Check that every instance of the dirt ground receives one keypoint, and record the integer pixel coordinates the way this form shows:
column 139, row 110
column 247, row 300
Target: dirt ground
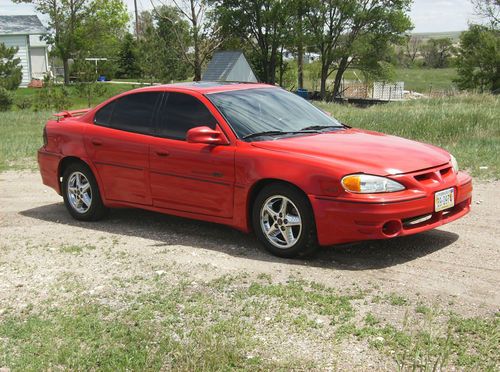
column 457, row 265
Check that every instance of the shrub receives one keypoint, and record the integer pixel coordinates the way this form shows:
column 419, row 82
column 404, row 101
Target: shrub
column 5, row 99
column 23, row 103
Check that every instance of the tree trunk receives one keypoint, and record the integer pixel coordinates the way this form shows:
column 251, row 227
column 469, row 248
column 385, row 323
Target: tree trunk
column 300, row 48
column 66, row 70
column 196, row 42
column 324, row 77
column 344, row 63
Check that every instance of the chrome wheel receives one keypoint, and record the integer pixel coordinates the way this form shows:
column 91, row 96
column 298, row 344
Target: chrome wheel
column 79, row 192
column 280, row 221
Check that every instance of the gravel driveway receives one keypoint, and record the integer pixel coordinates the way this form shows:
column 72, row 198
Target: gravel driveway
column 457, row 264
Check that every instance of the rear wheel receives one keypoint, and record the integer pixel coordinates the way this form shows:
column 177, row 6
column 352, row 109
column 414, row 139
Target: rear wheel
column 283, row 221
column 81, row 194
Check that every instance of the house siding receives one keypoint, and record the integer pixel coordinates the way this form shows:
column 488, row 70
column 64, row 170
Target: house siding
column 21, row 42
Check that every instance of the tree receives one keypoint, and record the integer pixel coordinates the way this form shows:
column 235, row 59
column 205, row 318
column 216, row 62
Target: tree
column 338, row 27
column 78, row 26
column 479, row 59
column 10, row 68
column 204, row 39
column 262, row 24
column 488, row 9
column 161, row 56
column 436, row 52
column 128, row 59
column 412, row 47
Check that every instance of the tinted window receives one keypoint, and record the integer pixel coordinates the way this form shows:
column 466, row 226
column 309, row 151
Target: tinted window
column 103, row 116
column 132, row 113
column 181, row 113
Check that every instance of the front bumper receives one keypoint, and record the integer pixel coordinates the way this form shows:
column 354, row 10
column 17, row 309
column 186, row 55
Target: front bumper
column 342, row 220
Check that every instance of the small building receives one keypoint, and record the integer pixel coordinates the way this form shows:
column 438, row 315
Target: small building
column 229, row 66
column 25, row 32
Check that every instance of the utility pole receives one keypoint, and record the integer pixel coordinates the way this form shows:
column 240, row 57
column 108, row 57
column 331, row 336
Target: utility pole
column 136, row 20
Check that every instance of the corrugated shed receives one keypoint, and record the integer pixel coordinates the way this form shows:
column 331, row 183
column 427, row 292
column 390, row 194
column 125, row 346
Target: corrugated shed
column 229, row 66
column 21, row 25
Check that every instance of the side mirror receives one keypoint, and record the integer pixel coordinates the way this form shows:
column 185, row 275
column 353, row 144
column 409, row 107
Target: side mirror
column 206, row 135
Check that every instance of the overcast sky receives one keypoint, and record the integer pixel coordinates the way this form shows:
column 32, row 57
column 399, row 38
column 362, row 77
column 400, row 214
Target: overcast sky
column 427, row 15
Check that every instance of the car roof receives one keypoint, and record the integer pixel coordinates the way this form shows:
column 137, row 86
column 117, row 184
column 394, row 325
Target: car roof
column 206, row 87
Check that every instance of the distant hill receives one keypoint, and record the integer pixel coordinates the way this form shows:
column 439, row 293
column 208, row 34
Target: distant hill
column 454, row 35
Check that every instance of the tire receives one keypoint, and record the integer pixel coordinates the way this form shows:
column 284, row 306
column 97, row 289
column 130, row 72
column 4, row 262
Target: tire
column 81, row 193
column 297, row 233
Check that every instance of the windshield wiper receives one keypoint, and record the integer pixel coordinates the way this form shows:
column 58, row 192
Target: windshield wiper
column 266, row 133
column 319, row 127
column 278, row 133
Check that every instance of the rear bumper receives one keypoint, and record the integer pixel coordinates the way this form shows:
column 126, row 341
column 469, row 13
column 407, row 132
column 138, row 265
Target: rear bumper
column 48, row 163
column 341, row 221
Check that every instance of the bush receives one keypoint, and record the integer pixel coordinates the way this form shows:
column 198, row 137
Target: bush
column 52, row 97
column 5, row 99
column 23, row 103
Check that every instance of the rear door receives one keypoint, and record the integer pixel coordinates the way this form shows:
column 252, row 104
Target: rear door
column 118, row 145
column 190, row 177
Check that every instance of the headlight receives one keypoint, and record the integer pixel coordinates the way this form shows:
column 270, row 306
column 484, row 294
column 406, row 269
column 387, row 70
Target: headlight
column 367, row 184
column 454, row 163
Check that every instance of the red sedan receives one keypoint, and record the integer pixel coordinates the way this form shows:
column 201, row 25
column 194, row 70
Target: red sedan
column 251, row 156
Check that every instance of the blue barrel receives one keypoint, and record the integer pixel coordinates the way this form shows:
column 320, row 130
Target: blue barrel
column 302, row 93
column 101, row 78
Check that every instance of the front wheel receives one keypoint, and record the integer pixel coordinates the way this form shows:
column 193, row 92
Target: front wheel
column 283, row 221
column 81, row 194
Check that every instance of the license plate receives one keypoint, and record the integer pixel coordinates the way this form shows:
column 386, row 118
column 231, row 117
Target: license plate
column 444, row 199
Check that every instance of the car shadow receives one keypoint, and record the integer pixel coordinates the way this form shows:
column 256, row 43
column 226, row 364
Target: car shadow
column 170, row 230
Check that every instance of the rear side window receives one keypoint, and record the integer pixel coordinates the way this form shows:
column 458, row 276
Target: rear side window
column 180, row 113
column 131, row 113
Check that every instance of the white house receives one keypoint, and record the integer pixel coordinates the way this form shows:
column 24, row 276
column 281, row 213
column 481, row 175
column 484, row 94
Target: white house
column 24, row 32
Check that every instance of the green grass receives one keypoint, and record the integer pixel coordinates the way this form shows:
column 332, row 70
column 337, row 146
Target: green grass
column 467, row 126
column 427, row 80
column 231, row 323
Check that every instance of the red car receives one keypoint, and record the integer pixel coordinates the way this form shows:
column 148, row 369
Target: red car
column 251, row 156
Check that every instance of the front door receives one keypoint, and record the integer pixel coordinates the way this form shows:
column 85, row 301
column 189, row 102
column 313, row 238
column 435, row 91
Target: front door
column 189, row 177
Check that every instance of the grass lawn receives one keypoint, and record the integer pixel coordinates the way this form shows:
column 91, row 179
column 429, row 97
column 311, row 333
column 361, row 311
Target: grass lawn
column 236, row 323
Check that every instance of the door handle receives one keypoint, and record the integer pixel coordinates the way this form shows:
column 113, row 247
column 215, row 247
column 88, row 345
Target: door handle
column 96, row 142
column 162, row 153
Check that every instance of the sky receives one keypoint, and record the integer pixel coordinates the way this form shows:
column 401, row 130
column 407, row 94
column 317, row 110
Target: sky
column 426, row 15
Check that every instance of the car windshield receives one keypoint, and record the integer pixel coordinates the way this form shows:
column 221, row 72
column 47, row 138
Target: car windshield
column 270, row 112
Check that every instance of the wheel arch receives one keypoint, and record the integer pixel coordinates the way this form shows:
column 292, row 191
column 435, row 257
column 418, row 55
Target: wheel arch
column 257, row 187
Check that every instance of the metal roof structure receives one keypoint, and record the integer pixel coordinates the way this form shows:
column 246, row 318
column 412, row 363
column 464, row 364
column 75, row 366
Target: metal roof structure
column 21, row 25
column 229, row 66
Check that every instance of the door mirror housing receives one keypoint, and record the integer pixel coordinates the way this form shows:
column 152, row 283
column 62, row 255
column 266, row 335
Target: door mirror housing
column 206, row 135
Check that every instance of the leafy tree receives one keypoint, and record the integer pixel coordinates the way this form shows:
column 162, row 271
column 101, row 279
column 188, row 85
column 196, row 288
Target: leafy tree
column 479, row 59
column 340, row 26
column 264, row 25
column 10, row 68
column 81, row 26
column 160, row 53
column 128, row 59
column 203, row 40
column 436, row 52
column 488, row 9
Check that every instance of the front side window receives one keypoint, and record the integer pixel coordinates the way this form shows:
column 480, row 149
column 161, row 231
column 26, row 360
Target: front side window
column 131, row 113
column 259, row 110
column 180, row 113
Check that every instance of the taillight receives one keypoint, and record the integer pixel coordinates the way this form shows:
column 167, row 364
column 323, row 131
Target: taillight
column 45, row 138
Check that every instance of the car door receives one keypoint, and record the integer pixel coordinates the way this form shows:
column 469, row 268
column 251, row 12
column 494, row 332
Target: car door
column 189, row 177
column 118, row 145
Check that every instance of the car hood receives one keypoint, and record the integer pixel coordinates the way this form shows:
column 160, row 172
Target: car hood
column 362, row 151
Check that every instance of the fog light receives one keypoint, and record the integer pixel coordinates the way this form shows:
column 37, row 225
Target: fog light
column 392, row 228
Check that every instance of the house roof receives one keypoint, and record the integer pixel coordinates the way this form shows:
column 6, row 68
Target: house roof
column 21, row 25
column 224, row 62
